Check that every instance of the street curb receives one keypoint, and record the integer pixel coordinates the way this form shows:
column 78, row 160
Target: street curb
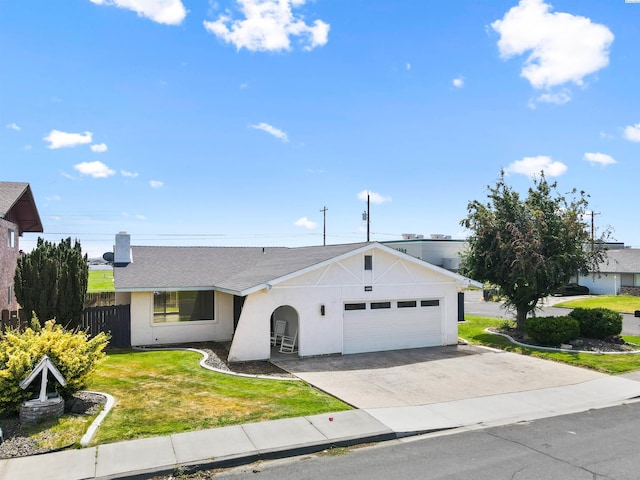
column 246, row 459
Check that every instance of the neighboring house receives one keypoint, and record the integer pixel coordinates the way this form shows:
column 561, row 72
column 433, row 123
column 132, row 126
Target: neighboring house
column 351, row 298
column 18, row 214
column 619, row 273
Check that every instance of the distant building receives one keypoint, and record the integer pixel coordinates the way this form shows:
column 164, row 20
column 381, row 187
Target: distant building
column 18, row 214
column 438, row 249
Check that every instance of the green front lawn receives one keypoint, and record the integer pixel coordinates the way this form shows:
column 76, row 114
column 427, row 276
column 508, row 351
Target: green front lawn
column 617, row 303
column 100, row 281
column 473, row 331
column 165, row 392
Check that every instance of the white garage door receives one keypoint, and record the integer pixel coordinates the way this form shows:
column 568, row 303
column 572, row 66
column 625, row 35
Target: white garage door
column 395, row 325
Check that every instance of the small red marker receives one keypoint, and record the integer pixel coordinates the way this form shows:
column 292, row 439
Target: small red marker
column 331, row 419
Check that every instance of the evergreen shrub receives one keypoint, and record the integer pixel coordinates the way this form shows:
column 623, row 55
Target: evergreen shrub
column 552, row 331
column 598, row 323
column 74, row 354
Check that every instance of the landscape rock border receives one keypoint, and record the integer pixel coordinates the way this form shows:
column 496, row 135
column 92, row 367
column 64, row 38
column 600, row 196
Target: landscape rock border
column 553, row 349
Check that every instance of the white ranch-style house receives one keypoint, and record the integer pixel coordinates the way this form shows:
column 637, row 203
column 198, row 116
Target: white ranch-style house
column 335, row 299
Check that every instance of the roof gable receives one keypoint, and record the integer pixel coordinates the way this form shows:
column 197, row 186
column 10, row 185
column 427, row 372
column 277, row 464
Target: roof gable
column 233, row 269
column 18, row 206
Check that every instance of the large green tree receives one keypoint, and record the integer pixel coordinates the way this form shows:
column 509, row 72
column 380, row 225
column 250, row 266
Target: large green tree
column 51, row 282
column 528, row 246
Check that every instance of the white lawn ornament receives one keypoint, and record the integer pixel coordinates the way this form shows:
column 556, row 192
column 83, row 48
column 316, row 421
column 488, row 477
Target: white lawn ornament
column 44, row 366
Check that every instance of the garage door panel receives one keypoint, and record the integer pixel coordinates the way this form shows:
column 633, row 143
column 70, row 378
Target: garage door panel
column 392, row 329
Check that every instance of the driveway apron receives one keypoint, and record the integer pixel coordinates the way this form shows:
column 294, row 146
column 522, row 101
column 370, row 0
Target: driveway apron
column 430, row 375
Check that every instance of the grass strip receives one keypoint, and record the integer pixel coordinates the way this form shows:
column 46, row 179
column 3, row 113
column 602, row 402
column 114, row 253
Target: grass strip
column 617, row 303
column 473, row 331
column 100, row 281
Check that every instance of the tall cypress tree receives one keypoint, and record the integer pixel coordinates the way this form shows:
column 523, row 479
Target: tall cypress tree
column 51, row 282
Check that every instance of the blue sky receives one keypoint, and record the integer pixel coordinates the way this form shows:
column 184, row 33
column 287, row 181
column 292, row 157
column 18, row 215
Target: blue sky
column 234, row 122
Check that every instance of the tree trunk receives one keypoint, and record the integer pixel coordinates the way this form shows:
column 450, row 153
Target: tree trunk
column 521, row 316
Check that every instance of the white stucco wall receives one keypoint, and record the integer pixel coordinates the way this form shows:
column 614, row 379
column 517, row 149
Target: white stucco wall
column 332, row 286
column 145, row 332
column 603, row 284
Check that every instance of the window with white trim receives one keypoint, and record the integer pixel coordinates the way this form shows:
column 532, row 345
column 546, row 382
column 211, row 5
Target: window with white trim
column 11, row 238
column 183, row 306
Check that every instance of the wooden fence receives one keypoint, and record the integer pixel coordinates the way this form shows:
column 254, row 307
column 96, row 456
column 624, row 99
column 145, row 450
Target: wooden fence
column 114, row 319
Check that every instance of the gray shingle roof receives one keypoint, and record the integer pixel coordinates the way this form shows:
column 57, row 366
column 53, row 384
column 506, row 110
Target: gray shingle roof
column 625, row 260
column 10, row 192
column 234, row 269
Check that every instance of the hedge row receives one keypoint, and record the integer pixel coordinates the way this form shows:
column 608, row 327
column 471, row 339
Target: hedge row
column 597, row 323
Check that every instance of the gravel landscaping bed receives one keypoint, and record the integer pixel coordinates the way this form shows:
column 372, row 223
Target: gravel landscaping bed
column 612, row 344
column 16, row 444
column 217, row 358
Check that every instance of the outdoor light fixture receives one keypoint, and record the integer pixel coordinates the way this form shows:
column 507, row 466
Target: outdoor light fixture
column 322, row 310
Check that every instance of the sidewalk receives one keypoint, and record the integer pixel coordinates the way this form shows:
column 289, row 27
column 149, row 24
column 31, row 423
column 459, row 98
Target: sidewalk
column 294, row 436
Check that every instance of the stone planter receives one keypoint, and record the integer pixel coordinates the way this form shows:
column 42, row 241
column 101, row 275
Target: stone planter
column 34, row 411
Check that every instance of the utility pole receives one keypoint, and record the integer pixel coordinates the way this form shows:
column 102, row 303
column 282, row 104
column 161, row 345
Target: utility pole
column 366, row 216
column 324, row 225
column 593, row 230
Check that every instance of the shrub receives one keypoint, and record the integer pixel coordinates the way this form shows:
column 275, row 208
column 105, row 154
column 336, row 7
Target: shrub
column 552, row 331
column 598, row 323
column 73, row 353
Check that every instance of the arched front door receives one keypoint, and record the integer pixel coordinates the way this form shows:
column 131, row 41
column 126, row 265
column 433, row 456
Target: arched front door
column 289, row 342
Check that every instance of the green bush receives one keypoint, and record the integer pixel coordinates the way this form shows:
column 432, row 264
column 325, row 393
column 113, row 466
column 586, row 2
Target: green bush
column 73, row 353
column 598, row 323
column 552, row 331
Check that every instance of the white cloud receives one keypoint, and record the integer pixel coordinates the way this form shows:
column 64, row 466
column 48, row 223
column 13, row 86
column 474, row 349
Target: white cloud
column 306, row 223
column 124, row 173
column 13, row 126
column 276, row 132
column 532, row 166
column 94, row 169
column 632, row 132
column 268, row 26
column 140, row 217
column 601, row 158
column 408, row 66
column 458, row 82
column 605, row 135
column 58, row 139
column 99, row 147
column 373, row 197
column 169, row 12
column 156, row 183
column 558, row 98
column 562, row 47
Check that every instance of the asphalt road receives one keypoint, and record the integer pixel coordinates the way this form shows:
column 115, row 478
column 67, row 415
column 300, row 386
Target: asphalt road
column 474, row 305
column 598, row 444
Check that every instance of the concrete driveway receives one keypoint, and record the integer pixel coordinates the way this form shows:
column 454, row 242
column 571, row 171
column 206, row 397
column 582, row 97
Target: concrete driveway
column 430, row 375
